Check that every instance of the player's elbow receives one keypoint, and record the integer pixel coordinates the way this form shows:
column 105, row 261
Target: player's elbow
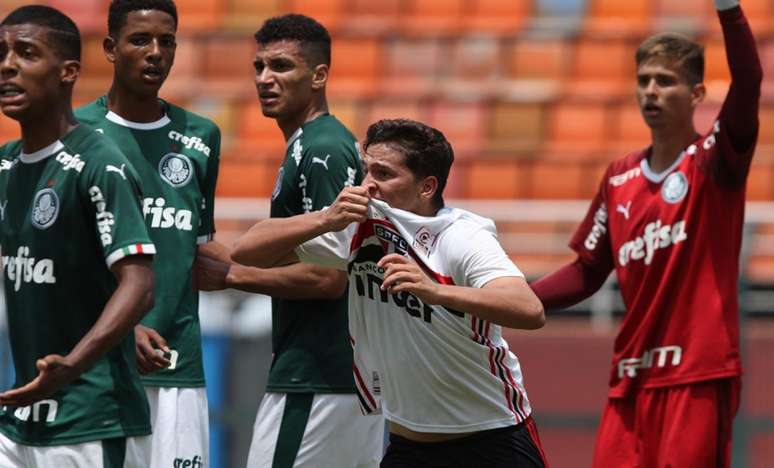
column 332, row 284
column 534, row 315
column 243, row 255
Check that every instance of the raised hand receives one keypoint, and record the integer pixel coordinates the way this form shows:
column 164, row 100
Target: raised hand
column 351, row 206
column 403, row 274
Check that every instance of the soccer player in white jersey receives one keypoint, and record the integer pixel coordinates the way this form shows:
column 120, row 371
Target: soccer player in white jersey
column 429, row 289
column 76, row 264
column 668, row 218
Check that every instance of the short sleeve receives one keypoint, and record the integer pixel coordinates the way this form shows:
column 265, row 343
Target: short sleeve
column 329, row 250
column 209, row 182
column 325, row 170
column 591, row 240
column 112, row 196
column 479, row 259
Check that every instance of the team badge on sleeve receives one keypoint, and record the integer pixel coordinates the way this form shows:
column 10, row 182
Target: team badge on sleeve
column 675, row 187
column 176, row 169
column 45, row 208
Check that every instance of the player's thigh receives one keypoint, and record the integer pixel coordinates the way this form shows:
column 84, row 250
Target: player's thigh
column 266, row 431
column 617, row 443
column 338, row 435
column 12, row 455
column 180, row 422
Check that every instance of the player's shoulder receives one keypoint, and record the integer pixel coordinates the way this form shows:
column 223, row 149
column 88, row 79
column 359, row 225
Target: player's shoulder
column 462, row 226
column 626, row 167
column 191, row 121
column 327, row 133
column 92, row 113
column 10, row 150
column 91, row 146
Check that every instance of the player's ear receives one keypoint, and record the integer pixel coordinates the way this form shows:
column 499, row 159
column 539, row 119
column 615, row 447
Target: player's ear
column 109, row 47
column 428, row 187
column 698, row 92
column 70, row 71
column 320, row 76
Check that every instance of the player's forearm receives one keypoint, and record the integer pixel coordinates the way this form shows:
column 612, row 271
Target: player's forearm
column 568, row 285
column 128, row 304
column 272, row 240
column 513, row 306
column 297, row 281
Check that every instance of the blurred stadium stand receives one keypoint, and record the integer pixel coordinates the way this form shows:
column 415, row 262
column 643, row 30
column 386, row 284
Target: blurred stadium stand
column 536, row 97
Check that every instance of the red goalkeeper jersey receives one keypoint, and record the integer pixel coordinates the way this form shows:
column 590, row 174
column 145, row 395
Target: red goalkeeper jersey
column 674, row 239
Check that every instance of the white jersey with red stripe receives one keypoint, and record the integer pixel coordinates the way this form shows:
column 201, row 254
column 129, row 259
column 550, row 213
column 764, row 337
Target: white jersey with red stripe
column 439, row 370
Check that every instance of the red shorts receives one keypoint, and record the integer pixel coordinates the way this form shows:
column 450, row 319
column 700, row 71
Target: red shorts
column 684, row 426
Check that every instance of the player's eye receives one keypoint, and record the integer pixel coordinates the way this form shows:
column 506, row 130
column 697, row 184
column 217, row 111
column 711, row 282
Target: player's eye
column 138, row 40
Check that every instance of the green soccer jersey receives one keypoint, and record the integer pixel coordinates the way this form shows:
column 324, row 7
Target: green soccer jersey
column 67, row 213
column 177, row 160
column 310, row 338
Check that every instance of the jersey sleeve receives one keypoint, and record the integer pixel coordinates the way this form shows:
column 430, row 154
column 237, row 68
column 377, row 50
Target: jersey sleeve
column 325, row 169
column 329, row 250
column 208, row 184
column 591, row 240
column 478, row 258
column 111, row 191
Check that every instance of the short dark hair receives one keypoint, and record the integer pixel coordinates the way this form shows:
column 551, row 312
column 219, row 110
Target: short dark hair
column 120, row 9
column 426, row 150
column 63, row 34
column 314, row 38
column 688, row 54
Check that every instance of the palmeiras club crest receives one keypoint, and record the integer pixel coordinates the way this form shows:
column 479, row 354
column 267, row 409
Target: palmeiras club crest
column 675, row 187
column 176, row 169
column 45, row 208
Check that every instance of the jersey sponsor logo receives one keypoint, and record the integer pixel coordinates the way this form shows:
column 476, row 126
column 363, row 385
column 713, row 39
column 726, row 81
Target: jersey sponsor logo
column 624, row 209
column 392, row 238
column 598, row 229
column 105, row 219
column 45, row 208
column 195, row 143
column 296, row 153
column 3, row 204
column 278, row 183
column 35, row 410
column 323, row 162
column 620, row 179
column 119, row 171
column 675, row 187
column 656, row 357
column 158, row 215
column 176, row 169
column 23, row 269
column 70, row 161
column 307, row 204
column 655, row 236
column 424, row 240
column 195, row 462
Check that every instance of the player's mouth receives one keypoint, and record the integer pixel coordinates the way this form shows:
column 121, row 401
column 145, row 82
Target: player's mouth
column 11, row 94
column 152, row 75
column 651, row 110
column 268, row 98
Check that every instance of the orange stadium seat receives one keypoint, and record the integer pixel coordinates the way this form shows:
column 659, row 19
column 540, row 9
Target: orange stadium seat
column 196, row 16
column 228, row 65
column 618, row 17
column 497, row 16
column 497, row 179
column 577, row 130
column 463, row 124
column 89, row 15
column 370, row 18
column 354, row 67
column 329, row 13
column 239, row 177
column 760, row 181
column 516, row 127
column 96, row 71
column 536, row 67
column 248, row 15
column 432, row 17
column 602, row 69
column 686, row 16
column 759, row 12
column 9, row 129
column 7, row 6
column 555, row 179
column 411, row 68
column 349, row 113
column 256, row 132
column 766, row 130
column 716, row 64
column 475, row 64
column 382, row 109
column 184, row 79
column 631, row 132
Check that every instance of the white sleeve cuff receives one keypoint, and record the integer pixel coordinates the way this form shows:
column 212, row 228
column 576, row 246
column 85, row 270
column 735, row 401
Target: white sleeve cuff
column 726, row 4
column 134, row 249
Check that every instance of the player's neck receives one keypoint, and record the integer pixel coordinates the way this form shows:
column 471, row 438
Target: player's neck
column 667, row 146
column 140, row 109
column 40, row 132
column 293, row 123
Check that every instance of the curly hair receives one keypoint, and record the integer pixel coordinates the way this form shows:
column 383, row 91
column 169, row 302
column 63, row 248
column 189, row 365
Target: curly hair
column 426, row 150
column 63, row 35
column 313, row 37
column 689, row 55
column 120, row 9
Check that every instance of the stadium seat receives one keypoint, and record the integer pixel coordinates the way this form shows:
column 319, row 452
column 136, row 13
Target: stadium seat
column 557, row 18
column 240, row 177
column 432, row 17
column 349, row 112
column 497, row 179
column 185, row 79
column 198, row 16
column 392, row 109
column 227, row 65
column 577, row 130
column 463, row 124
column 716, row 64
column 222, row 112
column 617, row 18
column 96, row 71
column 496, row 16
column 329, row 13
column 555, row 179
column 758, row 12
column 760, row 181
column 412, row 68
column 601, row 69
column 475, row 64
column 686, row 16
column 258, row 132
column 248, row 15
column 370, row 18
column 9, row 129
column 630, row 131
column 766, row 130
column 515, row 128
column 536, row 68
column 89, row 15
column 354, row 68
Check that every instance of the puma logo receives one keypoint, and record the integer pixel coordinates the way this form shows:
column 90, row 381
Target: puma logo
column 624, row 209
column 324, row 162
column 112, row 168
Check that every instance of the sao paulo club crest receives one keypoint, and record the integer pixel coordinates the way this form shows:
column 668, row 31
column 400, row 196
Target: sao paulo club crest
column 278, row 184
column 675, row 187
column 45, row 208
column 176, row 169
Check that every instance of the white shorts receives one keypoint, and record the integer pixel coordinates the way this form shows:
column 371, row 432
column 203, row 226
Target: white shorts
column 181, row 427
column 128, row 452
column 304, row 430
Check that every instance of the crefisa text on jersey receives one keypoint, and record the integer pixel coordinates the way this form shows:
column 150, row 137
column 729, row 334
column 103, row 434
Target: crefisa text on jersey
column 190, row 142
column 25, row 269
